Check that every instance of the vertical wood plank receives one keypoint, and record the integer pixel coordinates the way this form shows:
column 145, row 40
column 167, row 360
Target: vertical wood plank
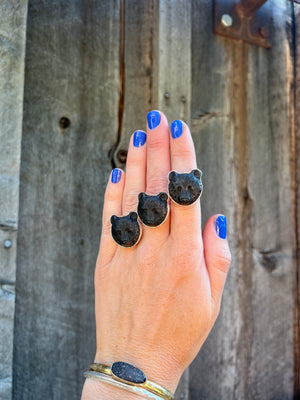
column 72, row 71
column 212, row 374
column 138, row 25
column 241, row 114
column 12, row 53
column 172, row 86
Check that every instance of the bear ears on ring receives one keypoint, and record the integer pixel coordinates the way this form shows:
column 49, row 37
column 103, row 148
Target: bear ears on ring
column 162, row 196
column 132, row 215
column 196, row 172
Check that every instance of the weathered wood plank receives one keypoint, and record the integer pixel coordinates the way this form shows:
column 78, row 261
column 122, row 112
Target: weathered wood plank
column 241, row 113
column 12, row 53
column 72, row 71
column 172, row 84
column 138, row 25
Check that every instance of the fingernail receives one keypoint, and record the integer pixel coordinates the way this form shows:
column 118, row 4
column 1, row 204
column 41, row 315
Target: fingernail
column 153, row 118
column 139, row 138
column 116, row 175
column 176, row 129
column 221, row 226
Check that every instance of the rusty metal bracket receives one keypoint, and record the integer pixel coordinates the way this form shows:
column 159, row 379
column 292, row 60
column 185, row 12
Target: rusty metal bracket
column 245, row 20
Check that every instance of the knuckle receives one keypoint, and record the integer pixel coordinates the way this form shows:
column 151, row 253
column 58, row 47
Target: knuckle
column 183, row 153
column 185, row 262
column 106, row 226
column 223, row 260
column 108, row 196
column 130, row 203
column 156, row 184
column 156, row 144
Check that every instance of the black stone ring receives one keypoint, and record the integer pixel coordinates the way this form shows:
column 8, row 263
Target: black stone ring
column 126, row 231
column 153, row 210
column 185, row 189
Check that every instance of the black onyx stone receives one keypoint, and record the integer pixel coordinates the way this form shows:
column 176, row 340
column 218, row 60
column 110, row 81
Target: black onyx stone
column 125, row 230
column 153, row 210
column 185, row 189
column 128, row 372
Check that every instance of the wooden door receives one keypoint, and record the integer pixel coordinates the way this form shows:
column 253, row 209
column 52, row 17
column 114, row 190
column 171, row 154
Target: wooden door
column 92, row 71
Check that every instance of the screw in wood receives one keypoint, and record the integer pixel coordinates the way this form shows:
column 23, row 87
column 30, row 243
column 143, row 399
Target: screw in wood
column 167, row 95
column 226, row 20
column 7, row 244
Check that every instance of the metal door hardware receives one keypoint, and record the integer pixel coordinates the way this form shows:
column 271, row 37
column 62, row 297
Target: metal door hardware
column 245, row 20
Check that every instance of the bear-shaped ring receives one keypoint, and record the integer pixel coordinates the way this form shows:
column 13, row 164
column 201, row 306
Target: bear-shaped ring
column 126, row 230
column 186, row 188
column 153, row 210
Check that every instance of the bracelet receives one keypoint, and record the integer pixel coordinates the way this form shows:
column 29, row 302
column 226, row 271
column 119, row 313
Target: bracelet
column 128, row 377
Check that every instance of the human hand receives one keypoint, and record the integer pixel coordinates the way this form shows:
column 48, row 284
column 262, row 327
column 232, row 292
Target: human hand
column 157, row 302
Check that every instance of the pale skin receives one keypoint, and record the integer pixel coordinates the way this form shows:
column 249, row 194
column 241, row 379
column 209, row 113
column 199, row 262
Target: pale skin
column 156, row 302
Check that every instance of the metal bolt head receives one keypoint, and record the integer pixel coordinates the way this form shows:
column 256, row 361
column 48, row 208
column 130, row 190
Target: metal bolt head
column 183, row 99
column 226, row 20
column 167, row 95
column 7, row 244
column 181, row 396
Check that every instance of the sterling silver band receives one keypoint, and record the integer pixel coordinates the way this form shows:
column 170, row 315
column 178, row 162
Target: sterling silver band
column 134, row 389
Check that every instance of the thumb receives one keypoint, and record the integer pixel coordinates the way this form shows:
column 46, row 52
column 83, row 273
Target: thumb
column 217, row 254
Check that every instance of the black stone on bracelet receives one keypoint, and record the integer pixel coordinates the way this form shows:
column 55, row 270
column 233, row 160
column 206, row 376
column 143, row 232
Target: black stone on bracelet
column 128, row 372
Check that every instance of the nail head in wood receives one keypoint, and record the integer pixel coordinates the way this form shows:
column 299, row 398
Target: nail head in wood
column 7, row 244
column 226, row 20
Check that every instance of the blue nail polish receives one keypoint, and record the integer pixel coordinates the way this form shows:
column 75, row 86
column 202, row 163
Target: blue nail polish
column 153, row 118
column 221, row 226
column 116, row 175
column 139, row 138
column 176, row 129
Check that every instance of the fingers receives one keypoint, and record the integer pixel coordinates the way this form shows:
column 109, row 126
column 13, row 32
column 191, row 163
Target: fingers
column 112, row 206
column 135, row 171
column 184, row 219
column 158, row 153
column 217, row 254
column 158, row 166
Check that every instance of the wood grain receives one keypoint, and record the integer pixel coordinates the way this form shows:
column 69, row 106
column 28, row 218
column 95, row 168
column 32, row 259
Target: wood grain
column 72, row 63
column 241, row 119
column 12, row 52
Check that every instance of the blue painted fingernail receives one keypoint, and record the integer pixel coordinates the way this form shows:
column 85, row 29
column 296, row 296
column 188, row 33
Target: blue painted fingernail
column 221, row 226
column 116, row 175
column 139, row 138
column 176, row 129
column 153, row 118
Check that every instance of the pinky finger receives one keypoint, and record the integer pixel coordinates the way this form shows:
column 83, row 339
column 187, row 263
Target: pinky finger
column 112, row 206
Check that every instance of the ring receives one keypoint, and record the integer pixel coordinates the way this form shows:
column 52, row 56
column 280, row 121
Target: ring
column 153, row 210
column 126, row 230
column 185, row 189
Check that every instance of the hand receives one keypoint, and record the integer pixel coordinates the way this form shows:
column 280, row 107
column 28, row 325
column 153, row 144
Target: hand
column 157, row 302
